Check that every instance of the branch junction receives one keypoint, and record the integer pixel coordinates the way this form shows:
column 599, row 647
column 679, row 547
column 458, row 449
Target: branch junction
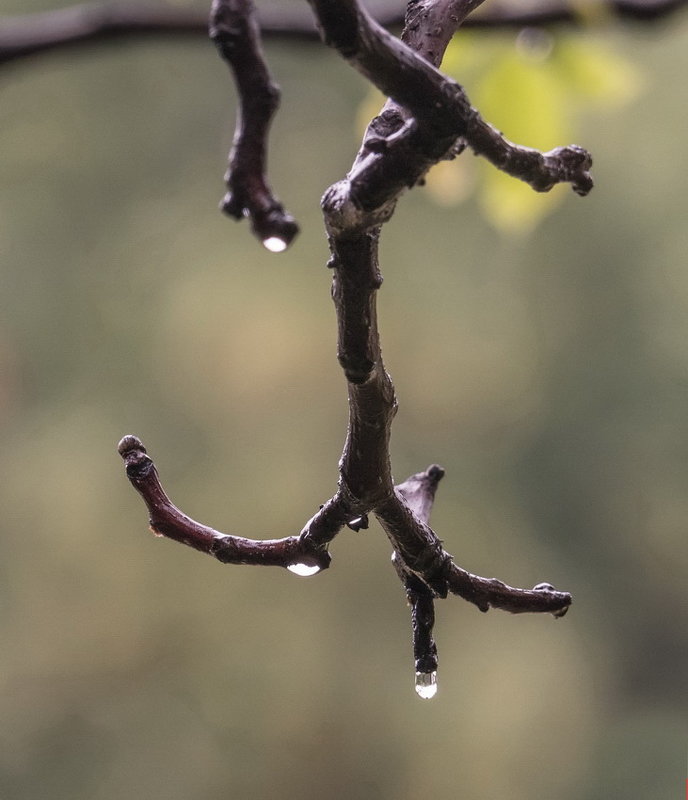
column 426, row 119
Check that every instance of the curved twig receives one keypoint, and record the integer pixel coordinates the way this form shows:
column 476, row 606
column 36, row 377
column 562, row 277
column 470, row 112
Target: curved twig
column 309, row 549
column 234, row 29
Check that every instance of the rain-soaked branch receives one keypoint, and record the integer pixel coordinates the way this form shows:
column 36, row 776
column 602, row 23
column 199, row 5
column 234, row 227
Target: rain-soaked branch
column 102, row 21
column 439, row 118
column 427, row 117
column 234, row 29
column 303, row 554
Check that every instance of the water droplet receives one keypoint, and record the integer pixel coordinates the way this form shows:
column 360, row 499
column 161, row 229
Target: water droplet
column 303, row 570
column 274, row 244
column 426, row 684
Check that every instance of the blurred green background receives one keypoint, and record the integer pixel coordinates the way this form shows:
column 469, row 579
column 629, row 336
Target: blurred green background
column 547, row 373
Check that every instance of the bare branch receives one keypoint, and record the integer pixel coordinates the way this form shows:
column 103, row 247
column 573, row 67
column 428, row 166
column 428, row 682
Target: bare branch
column 308, row 549
column 427, row 118
column 486, row 593
column 105, row 20
column 100, row 21
column 234, row 30
column 94, row 23
column 440, row 118
column 421, row 126
column 558, row 12
column 418, row 493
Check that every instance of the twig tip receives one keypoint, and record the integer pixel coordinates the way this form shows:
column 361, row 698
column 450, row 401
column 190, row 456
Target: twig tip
column 435, row 473
column 128, row 444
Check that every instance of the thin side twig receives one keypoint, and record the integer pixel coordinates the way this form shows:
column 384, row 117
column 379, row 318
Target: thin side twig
column 309, row 548
column 234, row 29
column 418, row 493
column 428, row 116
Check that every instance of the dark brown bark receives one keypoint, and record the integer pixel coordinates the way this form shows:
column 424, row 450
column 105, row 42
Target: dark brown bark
column 438, row 120
column 427, row 118
column 165, row 519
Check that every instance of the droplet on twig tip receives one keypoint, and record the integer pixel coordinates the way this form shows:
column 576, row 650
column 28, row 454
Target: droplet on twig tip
column 303, row 570
column 274, row 244
column 426, row 684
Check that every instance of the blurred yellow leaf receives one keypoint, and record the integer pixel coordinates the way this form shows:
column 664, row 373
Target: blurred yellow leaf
column 512, row 206
column 523, row 97
column 594, row 72
column 533, row 88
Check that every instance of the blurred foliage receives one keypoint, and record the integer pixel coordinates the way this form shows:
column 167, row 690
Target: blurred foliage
column 547, row 375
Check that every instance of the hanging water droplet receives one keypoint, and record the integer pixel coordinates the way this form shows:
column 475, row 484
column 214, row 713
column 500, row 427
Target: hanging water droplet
column 426, row 684
column 274, row 244
column 303, row 570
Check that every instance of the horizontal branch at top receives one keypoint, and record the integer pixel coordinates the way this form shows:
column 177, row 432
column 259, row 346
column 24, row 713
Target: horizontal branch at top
column 97, row 22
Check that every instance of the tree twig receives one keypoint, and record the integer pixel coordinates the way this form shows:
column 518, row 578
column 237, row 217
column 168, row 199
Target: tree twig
column 104, row 20
column 398, row 152
column 308, row 550
column 234, row 29
column 418, row 493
